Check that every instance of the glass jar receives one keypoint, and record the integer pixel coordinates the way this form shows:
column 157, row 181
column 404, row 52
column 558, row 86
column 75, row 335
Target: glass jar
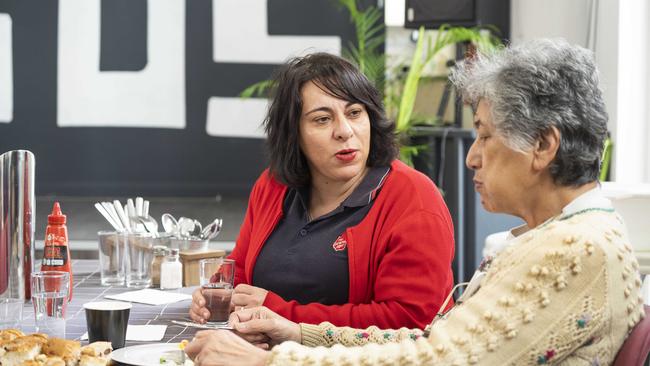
column 171, row 271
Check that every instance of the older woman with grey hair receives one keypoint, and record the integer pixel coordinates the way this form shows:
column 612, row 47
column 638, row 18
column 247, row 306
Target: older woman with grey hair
column 565, row 290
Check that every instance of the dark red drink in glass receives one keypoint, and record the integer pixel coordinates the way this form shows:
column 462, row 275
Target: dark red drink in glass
column 217, row 300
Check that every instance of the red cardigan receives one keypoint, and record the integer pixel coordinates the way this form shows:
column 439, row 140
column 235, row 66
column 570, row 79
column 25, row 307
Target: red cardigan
column 399, row 255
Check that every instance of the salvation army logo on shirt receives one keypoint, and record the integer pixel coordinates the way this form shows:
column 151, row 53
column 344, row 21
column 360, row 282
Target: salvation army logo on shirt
column 340, row 244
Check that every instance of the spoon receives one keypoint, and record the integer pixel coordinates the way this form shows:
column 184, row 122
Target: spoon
column 185, row 226
column 198, row 228
column 169, row 223
column 211, row 230
column 149, row 224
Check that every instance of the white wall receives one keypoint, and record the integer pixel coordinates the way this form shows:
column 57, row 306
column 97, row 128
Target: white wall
column 633, row 154
column 6, row 70
column 550, row 18
column 619, row 37
column 606, row 49
column 394, row 12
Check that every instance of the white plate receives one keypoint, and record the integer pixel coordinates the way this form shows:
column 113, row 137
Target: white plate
column 145, row 354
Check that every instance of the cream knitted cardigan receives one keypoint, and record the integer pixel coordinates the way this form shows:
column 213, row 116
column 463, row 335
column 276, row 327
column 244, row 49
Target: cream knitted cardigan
column 564, row 293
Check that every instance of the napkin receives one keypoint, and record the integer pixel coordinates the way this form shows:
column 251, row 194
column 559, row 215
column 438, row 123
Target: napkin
column 150, row 297
column 145, row 333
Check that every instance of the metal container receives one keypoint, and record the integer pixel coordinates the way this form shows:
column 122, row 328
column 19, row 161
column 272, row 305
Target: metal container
column 192, row 244
column 17, row 208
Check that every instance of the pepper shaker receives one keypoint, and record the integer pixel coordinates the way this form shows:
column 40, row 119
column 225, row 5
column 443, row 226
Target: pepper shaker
column 159, row 253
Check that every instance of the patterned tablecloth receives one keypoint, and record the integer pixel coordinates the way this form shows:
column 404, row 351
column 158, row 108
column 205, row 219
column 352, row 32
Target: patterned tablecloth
column 87, row 288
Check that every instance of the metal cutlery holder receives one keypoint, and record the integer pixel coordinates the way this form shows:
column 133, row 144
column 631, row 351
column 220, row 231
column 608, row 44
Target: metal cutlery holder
column 189, row 244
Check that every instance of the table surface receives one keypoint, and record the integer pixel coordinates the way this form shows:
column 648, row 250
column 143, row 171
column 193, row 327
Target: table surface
column 87, row 288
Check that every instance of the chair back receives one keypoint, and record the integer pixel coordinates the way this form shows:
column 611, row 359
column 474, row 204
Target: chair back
column 636, row 347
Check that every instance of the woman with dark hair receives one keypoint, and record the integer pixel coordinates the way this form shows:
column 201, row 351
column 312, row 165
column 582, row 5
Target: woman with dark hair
column 337, row 229
column 565, row 290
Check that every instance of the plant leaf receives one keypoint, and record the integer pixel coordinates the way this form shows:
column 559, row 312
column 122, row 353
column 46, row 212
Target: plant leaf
column 259, row 89
column 411, row 85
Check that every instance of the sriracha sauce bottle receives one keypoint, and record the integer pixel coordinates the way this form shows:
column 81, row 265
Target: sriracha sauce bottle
column 56, row 254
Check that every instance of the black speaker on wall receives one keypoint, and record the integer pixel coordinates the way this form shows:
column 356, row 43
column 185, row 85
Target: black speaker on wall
column 467, row 13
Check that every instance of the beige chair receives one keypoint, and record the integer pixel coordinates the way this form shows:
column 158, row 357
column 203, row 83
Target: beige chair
column 636, row 347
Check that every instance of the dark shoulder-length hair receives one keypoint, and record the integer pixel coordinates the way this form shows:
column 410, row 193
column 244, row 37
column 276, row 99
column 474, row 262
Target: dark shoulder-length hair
column 342, row 80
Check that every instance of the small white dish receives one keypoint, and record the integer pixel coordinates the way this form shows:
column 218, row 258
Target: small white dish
column 146, row 354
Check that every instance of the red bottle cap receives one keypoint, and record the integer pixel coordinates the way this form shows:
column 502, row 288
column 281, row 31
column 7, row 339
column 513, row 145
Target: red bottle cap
column 56, row 217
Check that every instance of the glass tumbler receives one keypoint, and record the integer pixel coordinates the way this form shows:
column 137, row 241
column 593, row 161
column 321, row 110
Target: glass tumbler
column 50, row 299
column 217, row 278
column 111, row 258
column 139, row 259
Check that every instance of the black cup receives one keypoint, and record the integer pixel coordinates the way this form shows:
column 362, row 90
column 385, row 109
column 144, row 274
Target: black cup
column 107, row 321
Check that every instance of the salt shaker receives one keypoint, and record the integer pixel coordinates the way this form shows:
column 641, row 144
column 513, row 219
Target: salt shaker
column 171, row 271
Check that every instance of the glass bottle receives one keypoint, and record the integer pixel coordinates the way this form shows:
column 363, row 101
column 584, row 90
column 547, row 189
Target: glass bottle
column 159, row 253
column 171, row 271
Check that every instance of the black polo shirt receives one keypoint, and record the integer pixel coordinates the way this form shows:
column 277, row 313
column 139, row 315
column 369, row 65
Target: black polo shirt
column 307, row 261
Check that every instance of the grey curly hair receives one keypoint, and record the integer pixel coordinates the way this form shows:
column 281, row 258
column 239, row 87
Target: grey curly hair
column 538, row 84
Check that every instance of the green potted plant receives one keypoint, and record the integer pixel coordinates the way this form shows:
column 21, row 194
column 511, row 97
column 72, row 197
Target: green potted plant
column 427, row 47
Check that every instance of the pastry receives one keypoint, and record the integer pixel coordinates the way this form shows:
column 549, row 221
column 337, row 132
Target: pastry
column 18, row 349
column 86, row 360
column 69, row 351
column 22, row 349
column 95, row 354
column 97, row 349
column 10, row 334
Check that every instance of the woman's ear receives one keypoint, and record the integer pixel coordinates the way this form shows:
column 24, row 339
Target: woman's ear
column 546, row 148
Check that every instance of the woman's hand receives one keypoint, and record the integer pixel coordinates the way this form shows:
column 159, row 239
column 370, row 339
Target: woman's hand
column 198, row 312
column 222, row 347
column 248, row 296
column 264, row 328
